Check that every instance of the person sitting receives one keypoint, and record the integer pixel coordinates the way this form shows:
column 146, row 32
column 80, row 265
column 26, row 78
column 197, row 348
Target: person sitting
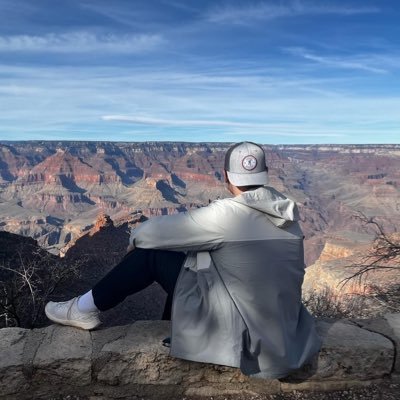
column 232, row 270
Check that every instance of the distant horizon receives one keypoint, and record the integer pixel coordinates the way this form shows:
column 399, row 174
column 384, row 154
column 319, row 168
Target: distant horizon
column 196, row 142
column 289, row 72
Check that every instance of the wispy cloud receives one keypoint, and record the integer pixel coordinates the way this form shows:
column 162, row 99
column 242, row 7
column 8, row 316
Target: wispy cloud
column 17, row 90
column 77, row 42
column 133, row 16
column 173, row 122
column 362, row 63
column 268, row 10
column 279, row 129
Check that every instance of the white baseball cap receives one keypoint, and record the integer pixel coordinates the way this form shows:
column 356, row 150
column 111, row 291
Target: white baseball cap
column 245, row 164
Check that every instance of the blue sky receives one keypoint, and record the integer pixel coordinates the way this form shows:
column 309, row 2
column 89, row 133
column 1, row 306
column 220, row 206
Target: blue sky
column 288, row 71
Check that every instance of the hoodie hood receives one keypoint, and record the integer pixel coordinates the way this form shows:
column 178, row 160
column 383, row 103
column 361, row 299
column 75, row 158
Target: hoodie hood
column 280, row 210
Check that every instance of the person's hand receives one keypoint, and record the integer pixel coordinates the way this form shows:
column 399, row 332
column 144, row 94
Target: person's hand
column 130, row 248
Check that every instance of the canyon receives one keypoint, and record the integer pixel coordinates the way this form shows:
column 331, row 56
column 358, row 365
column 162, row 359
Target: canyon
column 54, row 191
column 64, row 194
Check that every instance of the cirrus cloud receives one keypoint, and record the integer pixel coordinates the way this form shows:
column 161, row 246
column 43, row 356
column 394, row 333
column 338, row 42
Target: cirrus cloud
column 267, row 11
column 77, row 42
column 279, row 129
column 363, row 63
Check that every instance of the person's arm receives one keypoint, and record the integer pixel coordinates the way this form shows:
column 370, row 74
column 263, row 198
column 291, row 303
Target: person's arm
column 197, row 230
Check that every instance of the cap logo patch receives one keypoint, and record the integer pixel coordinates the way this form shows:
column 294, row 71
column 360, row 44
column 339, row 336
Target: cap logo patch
column 249, row 163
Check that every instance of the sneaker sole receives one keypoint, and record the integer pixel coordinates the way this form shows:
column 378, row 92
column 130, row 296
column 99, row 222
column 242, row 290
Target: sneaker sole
column 77, row 324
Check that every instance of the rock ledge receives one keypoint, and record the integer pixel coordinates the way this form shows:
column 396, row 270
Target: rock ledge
column 124, row 361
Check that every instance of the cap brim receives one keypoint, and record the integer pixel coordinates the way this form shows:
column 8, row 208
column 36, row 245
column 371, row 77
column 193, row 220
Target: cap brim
column 259, row 178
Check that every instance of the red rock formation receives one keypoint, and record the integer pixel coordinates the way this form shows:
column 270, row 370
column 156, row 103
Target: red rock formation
column 103, row 221
column 110, row 241
column 335, row 251
column 66, row 169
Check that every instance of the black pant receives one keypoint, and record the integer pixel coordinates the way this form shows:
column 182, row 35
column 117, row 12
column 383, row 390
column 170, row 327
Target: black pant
column 139, row 269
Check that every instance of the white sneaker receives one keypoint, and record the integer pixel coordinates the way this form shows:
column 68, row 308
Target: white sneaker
column 67, row 313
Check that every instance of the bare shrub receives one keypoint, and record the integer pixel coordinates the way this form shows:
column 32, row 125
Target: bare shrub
column 27, row 283
column 387, row 299
column 384, row 254
column 328, row 304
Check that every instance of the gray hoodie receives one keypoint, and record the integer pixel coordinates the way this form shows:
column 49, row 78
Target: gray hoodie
column 237, row 300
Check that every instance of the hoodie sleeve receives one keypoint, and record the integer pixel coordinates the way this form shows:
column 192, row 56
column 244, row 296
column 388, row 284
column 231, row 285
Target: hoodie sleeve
column 194, row 230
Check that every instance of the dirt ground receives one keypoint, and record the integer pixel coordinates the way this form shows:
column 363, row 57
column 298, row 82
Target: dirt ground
column 384, row 391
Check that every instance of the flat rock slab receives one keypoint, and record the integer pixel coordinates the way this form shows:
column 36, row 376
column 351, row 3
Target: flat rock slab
column 138, row 357
column 12, row 378
column 388, row 326
column 348, row 353
column 63, row 356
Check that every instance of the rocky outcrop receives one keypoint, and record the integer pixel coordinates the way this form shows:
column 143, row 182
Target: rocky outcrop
column 45, row 229
column 102, row 243
column 338, row 263
column 120, row 362
column 15, row 247
column 333, row 251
